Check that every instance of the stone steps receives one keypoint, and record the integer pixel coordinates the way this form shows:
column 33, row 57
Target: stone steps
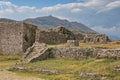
column 41, row 52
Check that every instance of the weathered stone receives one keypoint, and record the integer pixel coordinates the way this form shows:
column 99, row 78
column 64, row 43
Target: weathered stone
column 54, row 36
column 96, row 38
column 39, row 53
column 36, row 52
column 117, row 68
column 16, row 37
column 39, row 70
column 93, row 76
column 72, row 43
column 108, row 53
column 72, row 53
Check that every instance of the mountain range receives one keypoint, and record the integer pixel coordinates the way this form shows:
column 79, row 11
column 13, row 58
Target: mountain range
column 52, row 22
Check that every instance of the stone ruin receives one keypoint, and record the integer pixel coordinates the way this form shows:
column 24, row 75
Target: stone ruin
column 96, row 38
column 16, row 37
column 72, row 43
column 41, row 51
column 54, row 36
column 61, row 35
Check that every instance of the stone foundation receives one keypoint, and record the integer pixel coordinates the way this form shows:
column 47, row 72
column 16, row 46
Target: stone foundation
column 40, row 53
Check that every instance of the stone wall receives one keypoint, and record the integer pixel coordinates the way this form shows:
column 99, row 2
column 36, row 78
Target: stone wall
column 40, row 53
column 61, row 35
column 56, row 36
column 72, row 43
column 72, row 53
column 96, row 38
column 16, row 37
column 29, row 34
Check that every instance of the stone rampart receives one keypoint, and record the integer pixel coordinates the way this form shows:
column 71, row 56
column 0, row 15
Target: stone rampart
column 16, row 37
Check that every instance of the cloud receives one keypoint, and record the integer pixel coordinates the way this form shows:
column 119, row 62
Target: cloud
column 110, row 6
column 9, row 10
column 113, row 5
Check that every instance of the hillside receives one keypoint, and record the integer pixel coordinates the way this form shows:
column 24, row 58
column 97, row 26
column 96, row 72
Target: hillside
column 51, row 22
column 6, row 20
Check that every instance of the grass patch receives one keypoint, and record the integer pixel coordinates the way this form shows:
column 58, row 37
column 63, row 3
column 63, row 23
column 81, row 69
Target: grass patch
column 99, row 45
column 72, row 68
column 8, row 60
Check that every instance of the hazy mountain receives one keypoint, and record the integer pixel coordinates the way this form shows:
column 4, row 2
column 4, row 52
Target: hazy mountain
column 52, row 22
column 6, row 20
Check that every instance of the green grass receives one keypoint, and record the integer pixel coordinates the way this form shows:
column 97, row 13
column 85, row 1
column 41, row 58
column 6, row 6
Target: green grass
column 9, row 60
column 72, row 68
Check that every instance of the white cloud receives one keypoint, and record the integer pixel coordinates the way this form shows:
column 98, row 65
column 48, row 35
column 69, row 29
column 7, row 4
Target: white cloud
column 110, row 6
column 113, row 5
column 9, row 10
column 58, row 10
column 76, row 10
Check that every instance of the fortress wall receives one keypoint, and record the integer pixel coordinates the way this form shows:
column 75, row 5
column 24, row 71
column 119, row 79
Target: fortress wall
column 50, row 37
column 55, row 36
column 12, row 37
column 29, row 34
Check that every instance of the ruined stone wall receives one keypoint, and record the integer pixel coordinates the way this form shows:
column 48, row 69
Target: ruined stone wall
column 60, row 35
column 96, row 38
column 50, row 37
column 12, row 37
column 40, row 52
column 29, row 34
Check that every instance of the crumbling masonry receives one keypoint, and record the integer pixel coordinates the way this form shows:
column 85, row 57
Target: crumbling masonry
column 18, row 36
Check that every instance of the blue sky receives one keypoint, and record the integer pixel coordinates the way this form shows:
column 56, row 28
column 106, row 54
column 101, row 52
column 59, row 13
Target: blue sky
column 41, row 3
column 101, row 15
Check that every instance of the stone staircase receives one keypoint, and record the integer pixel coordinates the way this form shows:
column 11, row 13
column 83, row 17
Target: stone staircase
column 36, row 52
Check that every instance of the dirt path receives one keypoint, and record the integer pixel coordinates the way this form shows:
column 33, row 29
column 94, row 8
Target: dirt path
column 7, row 75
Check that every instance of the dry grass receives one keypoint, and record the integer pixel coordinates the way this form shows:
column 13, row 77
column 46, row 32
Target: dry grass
column 7, row 75
column 110, row 45
column 72, row 68
column 6, row 61
column 106, row 46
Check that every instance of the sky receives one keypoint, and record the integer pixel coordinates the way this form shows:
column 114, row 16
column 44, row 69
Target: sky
column 102, row 16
